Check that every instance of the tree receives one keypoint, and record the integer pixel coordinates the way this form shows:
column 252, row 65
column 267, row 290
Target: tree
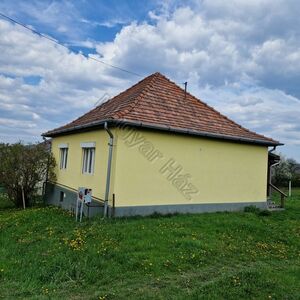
column 23, row 168
column 288, row 169
column 295, row 170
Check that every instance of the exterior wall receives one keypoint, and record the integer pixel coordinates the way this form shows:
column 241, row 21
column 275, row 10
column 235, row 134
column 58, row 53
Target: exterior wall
column 70, row 199
column 217, row 171
column 72, row 177
column 184, row 208
column 163, row 172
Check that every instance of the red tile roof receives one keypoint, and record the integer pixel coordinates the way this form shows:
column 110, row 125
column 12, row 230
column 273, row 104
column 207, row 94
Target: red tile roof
column 157, row 102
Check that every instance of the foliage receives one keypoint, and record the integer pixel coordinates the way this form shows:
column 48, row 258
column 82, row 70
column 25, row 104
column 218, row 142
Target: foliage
column 24, row 166
column 4, row 200
column 206, row 256
column 295, row 170
column 284, row 172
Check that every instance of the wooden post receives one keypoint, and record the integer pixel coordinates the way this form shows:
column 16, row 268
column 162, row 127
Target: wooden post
column 23, row 198
column 282, row 201
column 290, row 188
column 113, row 205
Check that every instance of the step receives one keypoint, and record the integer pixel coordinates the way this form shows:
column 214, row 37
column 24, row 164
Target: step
column 275, row 208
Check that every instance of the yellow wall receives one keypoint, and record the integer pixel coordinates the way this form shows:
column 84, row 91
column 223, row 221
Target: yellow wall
column 72, row 176
column 220, row 171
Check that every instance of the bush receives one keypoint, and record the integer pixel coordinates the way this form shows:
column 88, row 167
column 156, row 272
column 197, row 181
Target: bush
column 23, row 168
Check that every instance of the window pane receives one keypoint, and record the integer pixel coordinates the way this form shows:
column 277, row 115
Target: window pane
column 66, row 158
column 88, row 160
column 63, row 158
column 93, row 160
column 84, row 160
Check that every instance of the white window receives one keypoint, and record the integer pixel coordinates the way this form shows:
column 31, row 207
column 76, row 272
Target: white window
column 63, row 158
column 88, row 160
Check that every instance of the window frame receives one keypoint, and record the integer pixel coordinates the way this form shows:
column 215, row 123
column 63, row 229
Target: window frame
column 88, row 159
column 64, row 151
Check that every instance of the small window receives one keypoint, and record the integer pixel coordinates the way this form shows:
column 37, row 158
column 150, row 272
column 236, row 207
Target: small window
column 88, row 160
column 61, row 196
column 63, row 158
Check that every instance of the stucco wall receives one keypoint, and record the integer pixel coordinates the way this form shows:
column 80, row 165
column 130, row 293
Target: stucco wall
column 72, row 176
column 204, row 170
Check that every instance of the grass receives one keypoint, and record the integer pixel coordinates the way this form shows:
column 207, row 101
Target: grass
column 4, row 200
column 44, row 254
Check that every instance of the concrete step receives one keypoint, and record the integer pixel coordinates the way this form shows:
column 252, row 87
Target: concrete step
column 275, row 208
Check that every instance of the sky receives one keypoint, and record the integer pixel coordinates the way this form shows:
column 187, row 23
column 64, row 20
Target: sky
column 241, row 57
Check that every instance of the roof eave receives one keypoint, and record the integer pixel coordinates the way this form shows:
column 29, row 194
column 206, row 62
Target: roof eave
column 115, row 122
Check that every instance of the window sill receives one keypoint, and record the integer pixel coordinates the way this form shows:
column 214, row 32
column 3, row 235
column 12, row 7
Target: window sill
column 88, row 174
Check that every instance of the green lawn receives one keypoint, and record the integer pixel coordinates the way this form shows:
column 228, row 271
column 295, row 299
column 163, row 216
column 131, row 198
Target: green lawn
column 44, row 254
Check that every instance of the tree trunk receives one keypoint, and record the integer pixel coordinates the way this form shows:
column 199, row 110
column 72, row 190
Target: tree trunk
column 23, row 199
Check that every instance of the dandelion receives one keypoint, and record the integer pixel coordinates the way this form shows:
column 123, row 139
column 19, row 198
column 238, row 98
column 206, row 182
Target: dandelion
column 45, row 290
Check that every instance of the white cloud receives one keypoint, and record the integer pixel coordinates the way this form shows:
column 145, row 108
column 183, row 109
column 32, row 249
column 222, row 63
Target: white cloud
column 240, row 56
column 267, row 111
column 70, row 83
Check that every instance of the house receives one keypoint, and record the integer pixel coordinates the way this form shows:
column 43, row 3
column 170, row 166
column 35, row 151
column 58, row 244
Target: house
column 157, row 148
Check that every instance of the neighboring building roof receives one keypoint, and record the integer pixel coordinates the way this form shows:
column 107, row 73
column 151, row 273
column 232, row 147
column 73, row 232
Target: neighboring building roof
column 158, row 103
column 273, row 158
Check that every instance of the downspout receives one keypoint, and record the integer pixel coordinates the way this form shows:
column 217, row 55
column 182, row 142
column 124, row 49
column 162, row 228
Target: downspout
column 110, row 145
column 273, row 149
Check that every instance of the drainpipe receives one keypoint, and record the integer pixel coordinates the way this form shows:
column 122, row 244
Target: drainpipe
column 273, row 149
column 110, row 144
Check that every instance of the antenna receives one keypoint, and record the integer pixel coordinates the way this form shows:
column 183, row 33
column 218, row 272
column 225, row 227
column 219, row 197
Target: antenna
column 185, row 87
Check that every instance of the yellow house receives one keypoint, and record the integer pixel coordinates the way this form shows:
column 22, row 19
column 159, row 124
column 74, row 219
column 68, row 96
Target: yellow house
column 157, row 148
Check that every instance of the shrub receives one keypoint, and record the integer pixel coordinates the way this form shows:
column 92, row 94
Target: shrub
column 23, row 168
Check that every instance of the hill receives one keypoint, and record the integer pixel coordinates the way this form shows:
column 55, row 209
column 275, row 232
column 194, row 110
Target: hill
column 255, row 255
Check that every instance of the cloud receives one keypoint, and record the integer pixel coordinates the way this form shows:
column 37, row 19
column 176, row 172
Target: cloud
column 68, row 84
column 264, row 110
column 241, row 57
column 108, row 23
column 232, row 54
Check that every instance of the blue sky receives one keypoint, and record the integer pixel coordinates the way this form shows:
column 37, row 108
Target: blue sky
column 242, row 57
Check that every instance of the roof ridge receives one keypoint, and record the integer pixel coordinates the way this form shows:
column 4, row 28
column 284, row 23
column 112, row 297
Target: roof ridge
column 138, row 97
column 157, row 100
column 125, row 91
column 225, row 117
column 198, row 100
column 109, row 100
